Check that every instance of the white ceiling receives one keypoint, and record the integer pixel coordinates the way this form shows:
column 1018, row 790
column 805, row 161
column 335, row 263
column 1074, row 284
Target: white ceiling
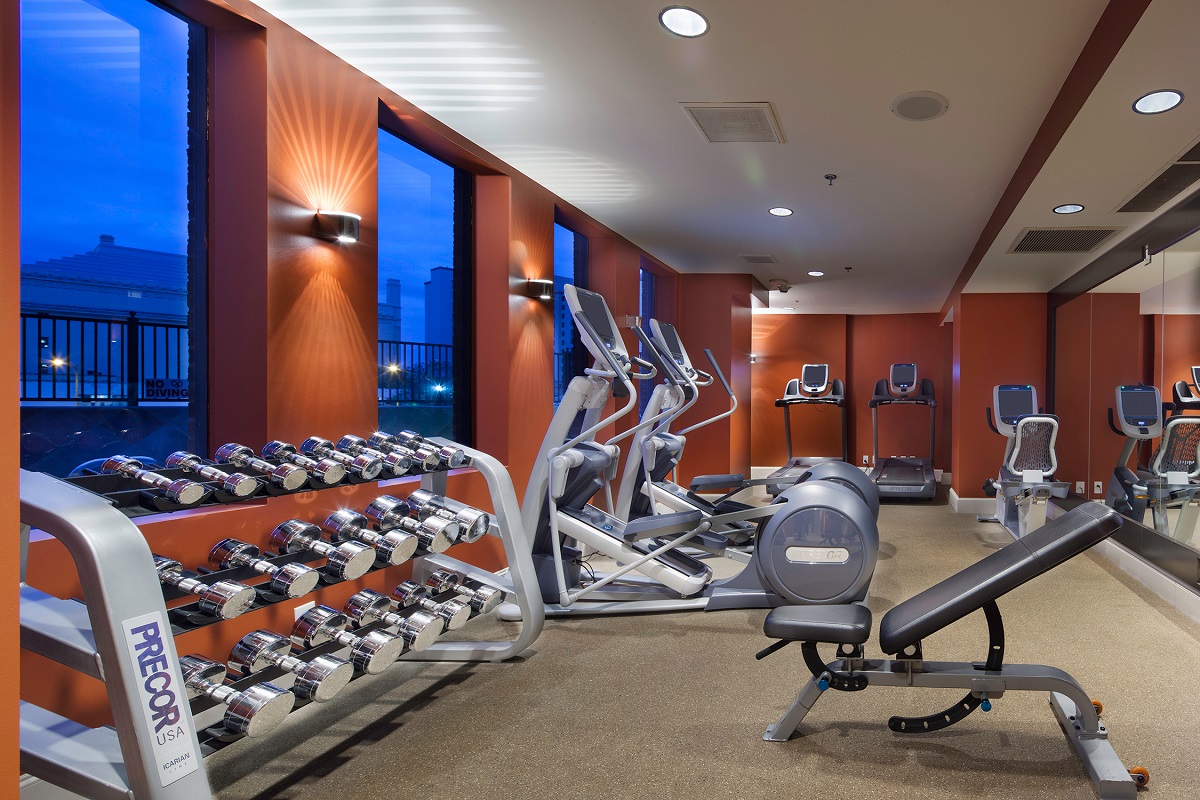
column 583, row 96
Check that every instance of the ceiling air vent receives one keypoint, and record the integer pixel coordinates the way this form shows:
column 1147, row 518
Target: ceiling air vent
column 735, row 122
column 1060, row 240
column 1169, row 183
column 763, row 259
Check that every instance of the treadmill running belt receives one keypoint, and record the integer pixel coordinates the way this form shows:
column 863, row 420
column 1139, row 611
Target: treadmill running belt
column 901, row 475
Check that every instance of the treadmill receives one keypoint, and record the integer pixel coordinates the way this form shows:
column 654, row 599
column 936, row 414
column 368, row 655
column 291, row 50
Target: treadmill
column 813, row 387
column 903, row 476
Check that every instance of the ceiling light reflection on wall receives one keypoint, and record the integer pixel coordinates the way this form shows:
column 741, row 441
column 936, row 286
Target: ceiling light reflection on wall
column 1158, row 102
column 780, row 211
column 683, row 21
column 1068, row 208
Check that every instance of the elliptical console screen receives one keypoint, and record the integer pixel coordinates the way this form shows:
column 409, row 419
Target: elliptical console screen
column 1139, row 405
column 815, row 377
column 671, row 340
column 1196, row 377
column 596, row 310
column 1013, row 402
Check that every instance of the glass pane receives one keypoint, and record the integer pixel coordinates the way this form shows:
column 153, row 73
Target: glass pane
column 565, row 337
column 105, row 350
column 418, row 311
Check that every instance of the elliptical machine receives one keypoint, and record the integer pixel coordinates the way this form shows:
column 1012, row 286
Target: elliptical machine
column 1169, row 480
column 655, row 452
column 816, row 544
column 1026, row 481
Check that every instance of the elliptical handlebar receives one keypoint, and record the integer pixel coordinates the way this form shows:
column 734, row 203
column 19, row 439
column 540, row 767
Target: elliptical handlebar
column 728, row 390
column 659, row 366
column 992, row 424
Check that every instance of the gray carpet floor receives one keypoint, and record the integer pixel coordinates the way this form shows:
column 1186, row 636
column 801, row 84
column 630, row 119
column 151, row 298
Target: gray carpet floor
column 674, row 705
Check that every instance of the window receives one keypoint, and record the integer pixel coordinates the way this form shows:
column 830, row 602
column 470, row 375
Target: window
column 424, row 292
column 113, row 110
column 646, row 312
column 570, row 266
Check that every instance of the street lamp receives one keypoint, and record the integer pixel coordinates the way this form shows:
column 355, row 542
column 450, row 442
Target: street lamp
column 59, row 361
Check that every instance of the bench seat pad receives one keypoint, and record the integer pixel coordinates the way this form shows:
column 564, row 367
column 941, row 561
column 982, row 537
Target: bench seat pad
column 846, row 624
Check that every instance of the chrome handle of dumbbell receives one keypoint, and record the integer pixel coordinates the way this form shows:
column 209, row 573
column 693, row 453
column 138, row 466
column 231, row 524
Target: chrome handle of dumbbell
column 473, row 522
column 393, row 547
column 419, row 629
column 235, row 483
column 254, row 711
column 350, row 560
column 325, row 470
column 319, row 680
column 293, row 580
column 365, row 467
column 372, row 653
column 286, row 476
column 480, row 597
column 395, row 463
column 179, row 490
column 223, row 599
column 411, row 593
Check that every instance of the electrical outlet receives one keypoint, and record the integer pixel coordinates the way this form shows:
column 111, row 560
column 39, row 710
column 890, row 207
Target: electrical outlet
column 1097, row 488
column 1079, row 487
column 299, row 610
column 864, row 460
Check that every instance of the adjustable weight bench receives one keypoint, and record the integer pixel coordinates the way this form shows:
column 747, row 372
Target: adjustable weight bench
column 902, row 629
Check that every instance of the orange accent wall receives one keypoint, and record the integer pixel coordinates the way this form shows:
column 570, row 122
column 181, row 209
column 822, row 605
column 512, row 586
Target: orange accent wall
column 10, row 418
column 1177, row 344
column 783, row 344
column 999, row 338
column 874, row 343
column 1099, row 344
column 715, row 313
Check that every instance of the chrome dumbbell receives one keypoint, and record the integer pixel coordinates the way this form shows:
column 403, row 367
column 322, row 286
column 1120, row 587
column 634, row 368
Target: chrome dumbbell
column 251, row 712
column 454, row 612
column 371, row 653
column 427, row 454
column 393, row 463
column 347, row 561
column 292, row 580
column 478, row 596
column 326, row 470
column 418, row 630
column 473, row 522
column 224, row 599
column 236, row 483
column 365, row 467
column 285, row 476
column 180, row 490
column 392, row 547
column 435, row 534
column 318, row 680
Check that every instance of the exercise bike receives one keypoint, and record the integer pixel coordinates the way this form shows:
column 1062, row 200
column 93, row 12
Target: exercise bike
column 1168, row 481
column 817, row 543
column 1026, row 481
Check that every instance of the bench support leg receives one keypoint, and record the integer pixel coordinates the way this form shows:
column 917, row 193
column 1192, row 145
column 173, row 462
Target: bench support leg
column 1104, row 767
column 782, row 730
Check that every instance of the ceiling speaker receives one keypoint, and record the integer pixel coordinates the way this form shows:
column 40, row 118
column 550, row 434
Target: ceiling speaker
column 920, row 106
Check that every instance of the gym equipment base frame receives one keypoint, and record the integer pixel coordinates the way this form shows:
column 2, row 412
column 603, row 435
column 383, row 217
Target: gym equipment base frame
column 1071, row 705
column 123, row 609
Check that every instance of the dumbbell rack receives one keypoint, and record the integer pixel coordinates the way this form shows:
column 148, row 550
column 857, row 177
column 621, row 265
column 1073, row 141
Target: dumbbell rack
column 121, row 591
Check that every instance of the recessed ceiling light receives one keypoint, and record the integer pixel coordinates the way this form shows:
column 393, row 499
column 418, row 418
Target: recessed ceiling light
column 683, row 21
column 815, row 273
column 1158, row 102
column 1068, row 208
column 780, row 211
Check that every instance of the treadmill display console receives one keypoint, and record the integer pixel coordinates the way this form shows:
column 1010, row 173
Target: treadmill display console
column 815, row 378
column 1140, row 406
column 1014, row 401
column 902, row 379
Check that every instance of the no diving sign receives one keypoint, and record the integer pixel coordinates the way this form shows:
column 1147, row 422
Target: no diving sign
column 165, row 389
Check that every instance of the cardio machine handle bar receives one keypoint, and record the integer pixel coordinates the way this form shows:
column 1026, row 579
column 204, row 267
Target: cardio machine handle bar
column 617, row 371
column 659, row 365
column 728, row 390
column 1112, row 425
column 988, row 411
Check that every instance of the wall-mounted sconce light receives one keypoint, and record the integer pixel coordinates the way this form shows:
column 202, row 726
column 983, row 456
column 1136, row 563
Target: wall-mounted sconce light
column 337, row 226
column 629, row 320
column 539, row 288
column 753, row 358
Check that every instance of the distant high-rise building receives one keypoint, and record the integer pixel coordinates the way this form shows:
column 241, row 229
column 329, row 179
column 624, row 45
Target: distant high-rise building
column 390, row 312
column 439, row 306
